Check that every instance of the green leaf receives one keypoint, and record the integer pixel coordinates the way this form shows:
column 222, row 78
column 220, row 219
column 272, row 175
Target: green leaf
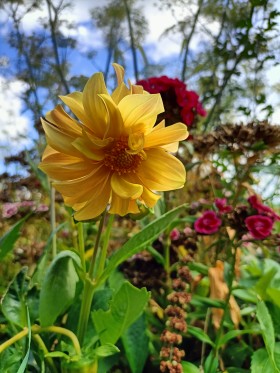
column 274, row 295
column 235, row 333
column 59, row 287
column 267, row 329
column 60, row 354
column 211, row 363
column 261, row 362
column 200, row 334
column 8, row 240
column 106, row 350
column 23, row 365
column 127, row 305
column 136, row 345
column 189, row 367
column 262, row 285
column 198, row 300
column 199, row 267
column 13, row 303
column 140, row 241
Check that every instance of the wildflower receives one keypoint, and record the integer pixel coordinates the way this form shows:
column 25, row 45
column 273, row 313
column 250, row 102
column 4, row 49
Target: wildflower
column 261, row 208
column 9, row 209
column 174, row 234
column 178, row 101
column 222, row 206
column 114, row 153
column 259, row 226
column 208, row 223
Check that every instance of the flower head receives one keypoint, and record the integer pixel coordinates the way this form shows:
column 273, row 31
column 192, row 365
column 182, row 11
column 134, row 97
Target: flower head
column 222, row 206
column 259, row 226
column 208, row 223
column 113, row 153
column 261, row 208
column 178, row 101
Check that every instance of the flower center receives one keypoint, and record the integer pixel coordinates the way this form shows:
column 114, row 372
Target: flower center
column 119, row 160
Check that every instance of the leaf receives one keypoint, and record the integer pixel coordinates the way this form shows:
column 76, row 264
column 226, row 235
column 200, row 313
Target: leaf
column 233, row 334
column 139, row 241
column 200, row 334
column 211, row 363
column 106, row 350
column 136, row 345
column 127, row 305
column 59, row 354
column 23, row 365
column 198, row 300
column 13, row 303
column 189, row 367
column 274, row 295
column 8, row 240
column 59, row 287
column 266, row 324
column 262, row 285
column 261, row 362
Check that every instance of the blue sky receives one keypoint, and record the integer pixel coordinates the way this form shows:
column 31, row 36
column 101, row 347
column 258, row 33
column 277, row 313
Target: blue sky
column 16, row 122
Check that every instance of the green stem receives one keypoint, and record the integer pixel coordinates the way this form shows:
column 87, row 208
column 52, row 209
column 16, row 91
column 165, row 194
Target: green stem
column 89, row 287
column 104, row 250
column 45, row 351
column 14, row 339
column 54, row 248
column 81, row 245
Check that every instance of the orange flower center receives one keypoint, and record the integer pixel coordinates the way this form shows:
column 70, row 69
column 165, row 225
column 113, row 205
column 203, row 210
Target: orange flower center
column 119, row 160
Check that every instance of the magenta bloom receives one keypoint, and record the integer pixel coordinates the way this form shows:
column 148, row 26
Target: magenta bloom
column 174, row 234
column 208, row 223
column 259, row 226
column 262, row 209
column 9, row 209
column 222, row 206
column 177, row 99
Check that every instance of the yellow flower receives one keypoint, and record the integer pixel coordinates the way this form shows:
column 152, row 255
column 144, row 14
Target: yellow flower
column 113, row 153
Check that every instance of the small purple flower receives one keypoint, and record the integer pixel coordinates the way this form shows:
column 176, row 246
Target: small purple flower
column 9, row 209
column 259, row 226
column 208, row 223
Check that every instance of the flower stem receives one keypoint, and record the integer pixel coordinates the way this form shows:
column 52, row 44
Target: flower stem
column 54, row 248
column 89, row 287
column 103, row 255
column 23, row 333
column 81, row 245
column 45, row 351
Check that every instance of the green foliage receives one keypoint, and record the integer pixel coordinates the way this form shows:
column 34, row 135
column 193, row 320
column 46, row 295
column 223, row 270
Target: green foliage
column 59, row 287
column 126, row 306
column 8, row 240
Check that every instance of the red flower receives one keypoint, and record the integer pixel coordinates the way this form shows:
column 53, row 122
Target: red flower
column 222, row 206
column 176, row 98
column 208, row 223
column 259, row 226
column 262, row 209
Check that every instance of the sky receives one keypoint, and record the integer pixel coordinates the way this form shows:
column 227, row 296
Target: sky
column 16, row 126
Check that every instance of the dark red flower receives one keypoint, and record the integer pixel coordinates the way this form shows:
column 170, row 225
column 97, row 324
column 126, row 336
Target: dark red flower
column 177, row 100
column 208, row 223
column 259, row 226
column 222, row 206
column 262, row 209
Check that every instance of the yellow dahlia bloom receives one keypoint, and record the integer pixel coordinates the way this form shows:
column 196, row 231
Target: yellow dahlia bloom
column 112, row 153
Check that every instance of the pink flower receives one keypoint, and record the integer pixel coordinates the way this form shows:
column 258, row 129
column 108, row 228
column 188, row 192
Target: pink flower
column 259, row 226
column 9, row 209
column 262, row 209
column 174, row 234
column 188, row 231
column 208, row 223
column 222, row 206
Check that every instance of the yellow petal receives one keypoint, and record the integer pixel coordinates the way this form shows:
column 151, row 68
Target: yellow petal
column 137, row 89
column 115, row 122
column 85, row 146
column 93, row 105
column 95, row 206
column 125, row 189
column 161, row 171
column 135, row 142
column 167, row 135
column 120, row 92
column 63, row 121
column 171, row 148
column 75, row 103
column 159, row 126
column 139, row 112
column 61, row 166
column 149, row 198
column 59, row 140
column 119, row 70
column 119, row 205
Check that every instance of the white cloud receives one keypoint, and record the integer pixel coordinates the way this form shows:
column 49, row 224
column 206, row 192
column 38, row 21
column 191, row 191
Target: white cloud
column 14, row 126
